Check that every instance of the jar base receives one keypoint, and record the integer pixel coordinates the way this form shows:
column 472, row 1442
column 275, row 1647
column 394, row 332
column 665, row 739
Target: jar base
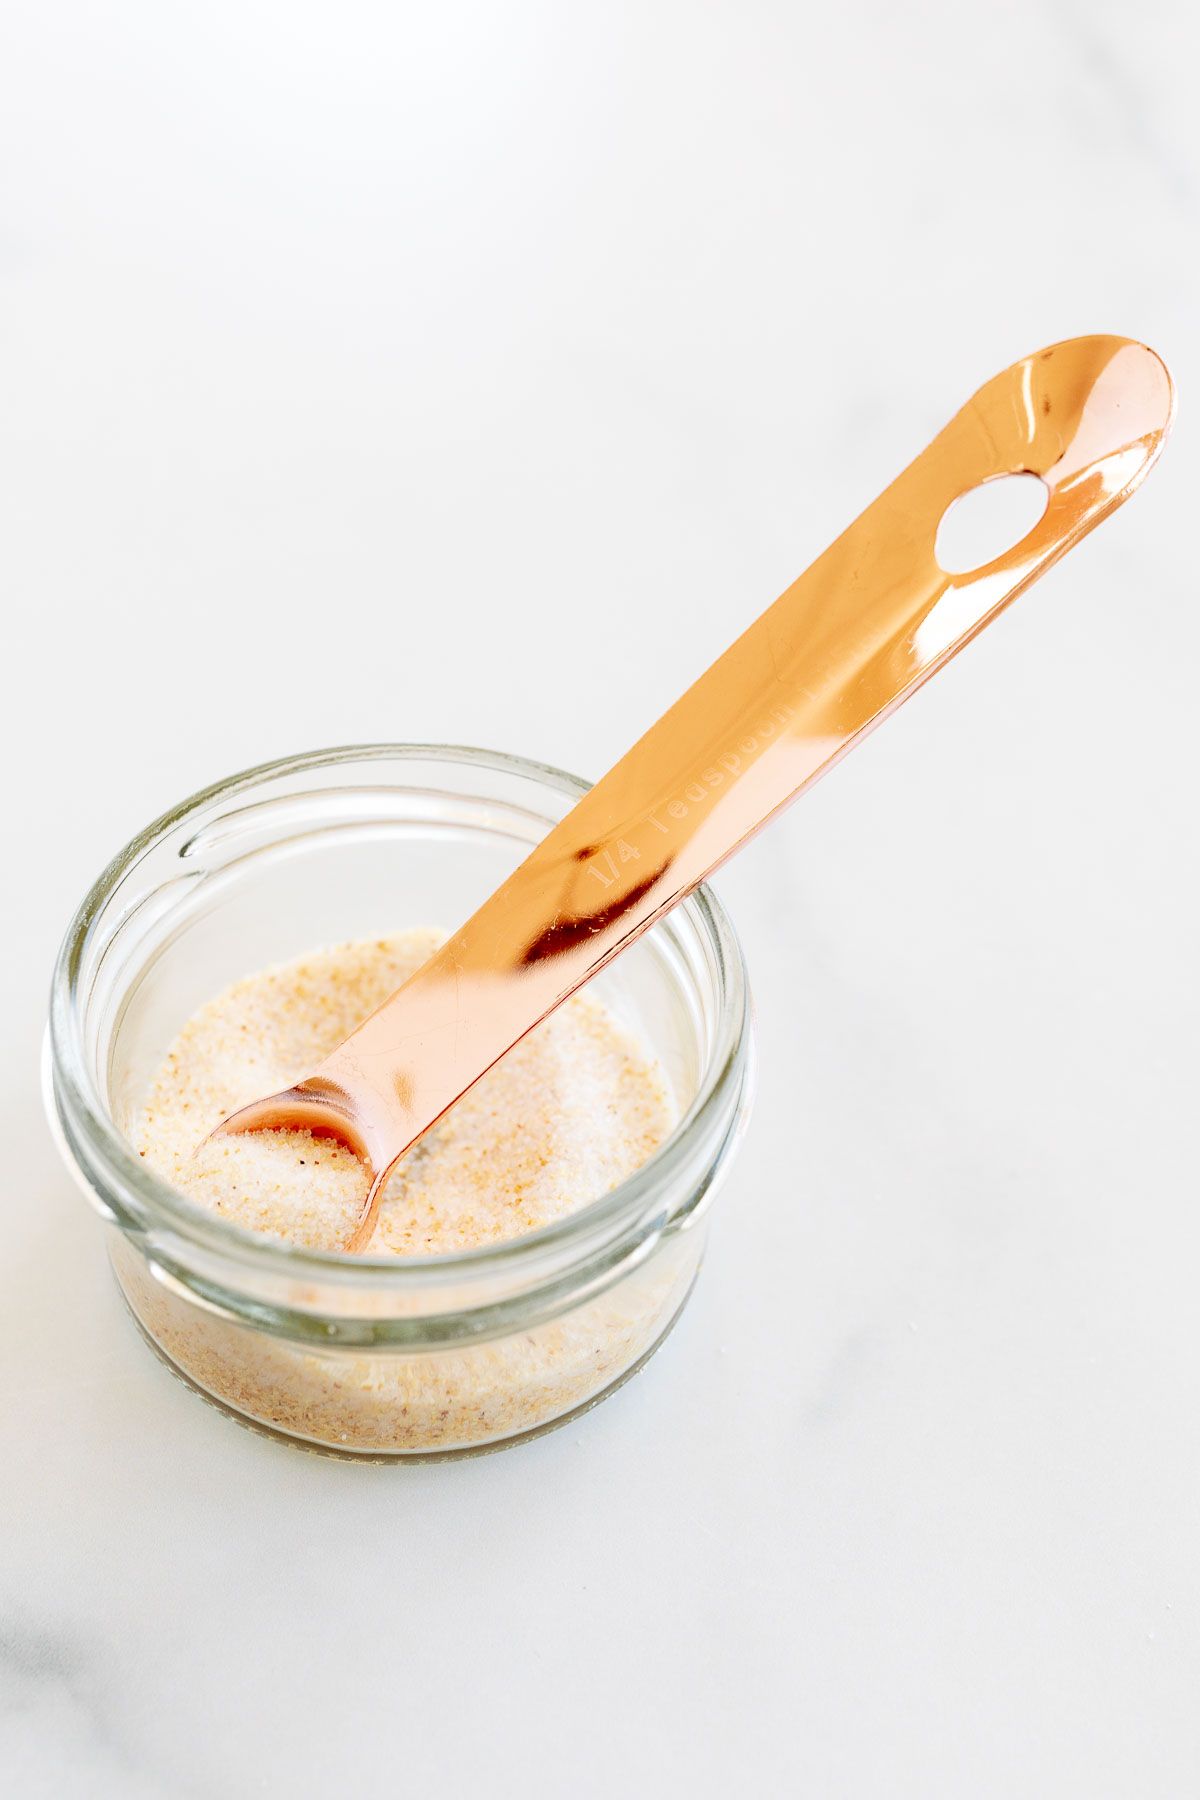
column 313, row 1447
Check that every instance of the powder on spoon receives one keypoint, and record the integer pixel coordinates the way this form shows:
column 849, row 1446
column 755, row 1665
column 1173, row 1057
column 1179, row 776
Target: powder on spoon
column 568, row 1113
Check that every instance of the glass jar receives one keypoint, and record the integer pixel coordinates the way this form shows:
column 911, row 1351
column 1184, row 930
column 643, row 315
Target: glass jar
column 380, row 1357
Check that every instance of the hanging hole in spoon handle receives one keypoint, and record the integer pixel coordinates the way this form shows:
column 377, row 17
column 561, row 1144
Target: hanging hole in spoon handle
column 988, row 520
column 852, row 638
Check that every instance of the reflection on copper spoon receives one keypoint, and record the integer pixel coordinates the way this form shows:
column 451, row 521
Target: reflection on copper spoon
column 853, row 637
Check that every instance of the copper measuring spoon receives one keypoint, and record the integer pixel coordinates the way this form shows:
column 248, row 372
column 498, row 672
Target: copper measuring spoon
column 853, row 637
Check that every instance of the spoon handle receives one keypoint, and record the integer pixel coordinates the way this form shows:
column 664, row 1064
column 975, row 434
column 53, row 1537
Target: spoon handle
column 847, row 643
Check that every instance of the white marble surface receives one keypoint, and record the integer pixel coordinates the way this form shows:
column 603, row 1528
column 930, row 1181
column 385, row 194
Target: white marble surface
column 475, row 372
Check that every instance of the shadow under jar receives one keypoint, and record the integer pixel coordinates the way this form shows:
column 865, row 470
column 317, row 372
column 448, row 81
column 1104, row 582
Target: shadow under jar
column 381, row 1357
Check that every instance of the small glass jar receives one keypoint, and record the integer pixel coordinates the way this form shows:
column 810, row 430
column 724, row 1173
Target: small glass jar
column 380, row 1357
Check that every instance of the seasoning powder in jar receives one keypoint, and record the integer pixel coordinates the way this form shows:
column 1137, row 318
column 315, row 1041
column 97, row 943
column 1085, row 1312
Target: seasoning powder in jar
column 565, row 1116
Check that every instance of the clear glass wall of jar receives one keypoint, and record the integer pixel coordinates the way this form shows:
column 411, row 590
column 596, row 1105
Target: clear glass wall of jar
column 380, row 1358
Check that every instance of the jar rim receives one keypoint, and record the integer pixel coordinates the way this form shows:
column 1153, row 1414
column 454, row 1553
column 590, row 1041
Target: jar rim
column 79, row 1114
